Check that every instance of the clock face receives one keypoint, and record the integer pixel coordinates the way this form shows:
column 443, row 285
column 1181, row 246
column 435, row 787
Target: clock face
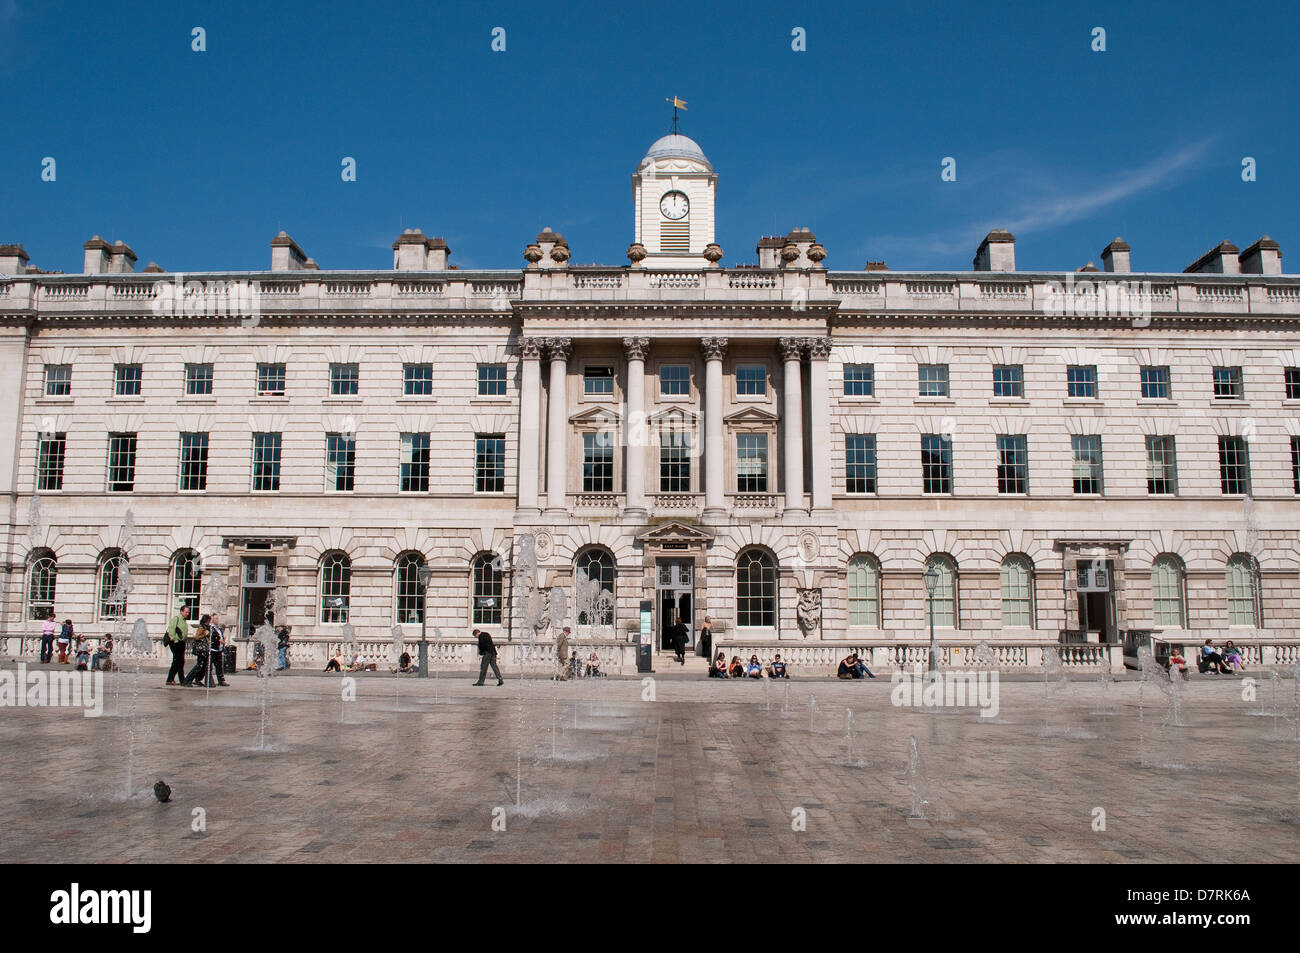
column 674, row 205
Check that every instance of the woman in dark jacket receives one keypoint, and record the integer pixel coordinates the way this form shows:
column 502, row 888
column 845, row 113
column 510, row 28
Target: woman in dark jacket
column 704, row 643
column 680, row 637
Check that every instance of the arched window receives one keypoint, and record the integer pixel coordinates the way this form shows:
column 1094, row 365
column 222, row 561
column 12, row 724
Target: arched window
column 944, row 598
column 1169, row 592
column 864, row 591
column 42, row 573
column 485, row 586
column 335, row 587
column 755, row 590
column 598, row 608
column 406, row 586
column 114, row 583
column 1243, row 591
column 187, row 582
column 1018, row 591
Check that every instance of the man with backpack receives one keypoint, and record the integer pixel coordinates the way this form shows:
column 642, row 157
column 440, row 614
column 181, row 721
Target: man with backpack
column 178, row 630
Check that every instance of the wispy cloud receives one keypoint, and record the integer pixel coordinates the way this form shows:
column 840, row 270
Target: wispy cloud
column 1050, row 206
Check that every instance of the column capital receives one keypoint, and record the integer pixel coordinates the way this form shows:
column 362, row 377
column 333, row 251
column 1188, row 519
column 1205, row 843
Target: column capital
column 636, row 348
column 819, row 348
column 559, row 349
column 531, row 348
column 792, row 348
column 714, row 348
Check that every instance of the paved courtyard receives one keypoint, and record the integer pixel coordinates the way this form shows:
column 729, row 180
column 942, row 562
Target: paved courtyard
column 708, row 771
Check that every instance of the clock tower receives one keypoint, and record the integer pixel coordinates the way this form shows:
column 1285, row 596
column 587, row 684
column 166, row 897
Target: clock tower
column 674, row 189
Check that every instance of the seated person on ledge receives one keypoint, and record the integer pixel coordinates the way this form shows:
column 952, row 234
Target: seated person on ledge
column 853, row 667
column 593, row 666
column 755, row 668
column 1212, row 660
column 737, row 669
column 404, row 666
column 1232, row 655
column 719, row 667
column 1177, row 661
column 335, row 664
column 777, row 669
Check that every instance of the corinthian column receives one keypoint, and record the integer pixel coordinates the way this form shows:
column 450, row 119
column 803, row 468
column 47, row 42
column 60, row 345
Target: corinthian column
column 634, row 427
column 714, row 465
column 557, row 422
column 819, row 352
column 792, row 417
column 530, row 420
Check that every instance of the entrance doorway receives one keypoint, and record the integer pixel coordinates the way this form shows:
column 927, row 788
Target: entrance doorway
column 258, row 579
column 675, row 592
column 1097, row 599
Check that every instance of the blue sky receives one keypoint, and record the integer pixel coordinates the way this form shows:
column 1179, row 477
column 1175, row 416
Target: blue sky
column 197, row 159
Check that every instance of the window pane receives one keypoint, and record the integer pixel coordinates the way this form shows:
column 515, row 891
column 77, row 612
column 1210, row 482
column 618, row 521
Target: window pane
column 1162, row 470
column 1292, row 379
column 410, row 595
column 1243, row 592
column 1017, row 593
column 417, row 380
column 1234, row 465
column 936, row 463
column 1013, row 463
column 126, row 380
column 340, row 461
column 674, row 461
column 270, row 380
column 1081, row 380
column 121, row 462
column 598, row 568
column 751, row 463
column 414, row 464
column 675, row 380
column 860, row 463
column 486, row 591
column 944, row 600
column 1167, row 592
column 751, row 379
column 187, row 582
column 1008, row 380
column 1155, row 382
column 1227, row 383
column 58, row 380
column 266, row 461
column 489, row 463
column 491, row 380
column 49, row 461
column 345, row 380
column 41, row 582
column 598, row 381
column 198, row 379
column 755, row 590
column 932, row 380
column 1086, row 452
column 859, row 380
column 864, row 592
column 194, row 461
column 335, row 588
column 598, row 462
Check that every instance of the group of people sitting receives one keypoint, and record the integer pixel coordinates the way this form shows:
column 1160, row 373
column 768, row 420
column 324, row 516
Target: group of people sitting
column 720, row 668
column 1209, row 660
column 359, row 663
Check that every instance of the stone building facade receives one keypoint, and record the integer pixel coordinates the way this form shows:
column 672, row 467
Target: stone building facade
column 779, row 446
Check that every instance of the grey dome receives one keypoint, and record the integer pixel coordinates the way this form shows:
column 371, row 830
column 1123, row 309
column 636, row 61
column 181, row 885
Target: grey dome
column 676, row 146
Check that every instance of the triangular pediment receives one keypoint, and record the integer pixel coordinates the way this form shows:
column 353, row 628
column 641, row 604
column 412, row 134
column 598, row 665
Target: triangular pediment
column 674, row 415
column 751, row 415
column 675, row 531
column 597, row 416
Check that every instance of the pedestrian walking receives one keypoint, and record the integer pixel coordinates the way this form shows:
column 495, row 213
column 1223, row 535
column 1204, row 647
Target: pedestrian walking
column 680, row 636
column 562, row 654
column 487, row 656
column 49, row 629
column 178, row 630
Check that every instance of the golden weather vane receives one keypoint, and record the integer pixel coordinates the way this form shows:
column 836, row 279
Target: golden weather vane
column 677, row 104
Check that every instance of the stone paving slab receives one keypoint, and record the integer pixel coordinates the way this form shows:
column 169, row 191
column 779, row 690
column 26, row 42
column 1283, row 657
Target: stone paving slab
column 707, row 772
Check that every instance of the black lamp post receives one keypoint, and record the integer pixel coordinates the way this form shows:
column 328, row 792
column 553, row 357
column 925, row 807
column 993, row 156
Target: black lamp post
column 931, row 583
column 425, row 574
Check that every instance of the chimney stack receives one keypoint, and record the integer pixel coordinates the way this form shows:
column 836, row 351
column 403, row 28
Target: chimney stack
column 799, row 249
column 13, row 260
column 1262, row 258
column 96, row 260
column 1115, row 257
column 997, row 252
column 121, row 260
column 286, row 255
column 437, row 251
column 769, row 251
column 1219, row 260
